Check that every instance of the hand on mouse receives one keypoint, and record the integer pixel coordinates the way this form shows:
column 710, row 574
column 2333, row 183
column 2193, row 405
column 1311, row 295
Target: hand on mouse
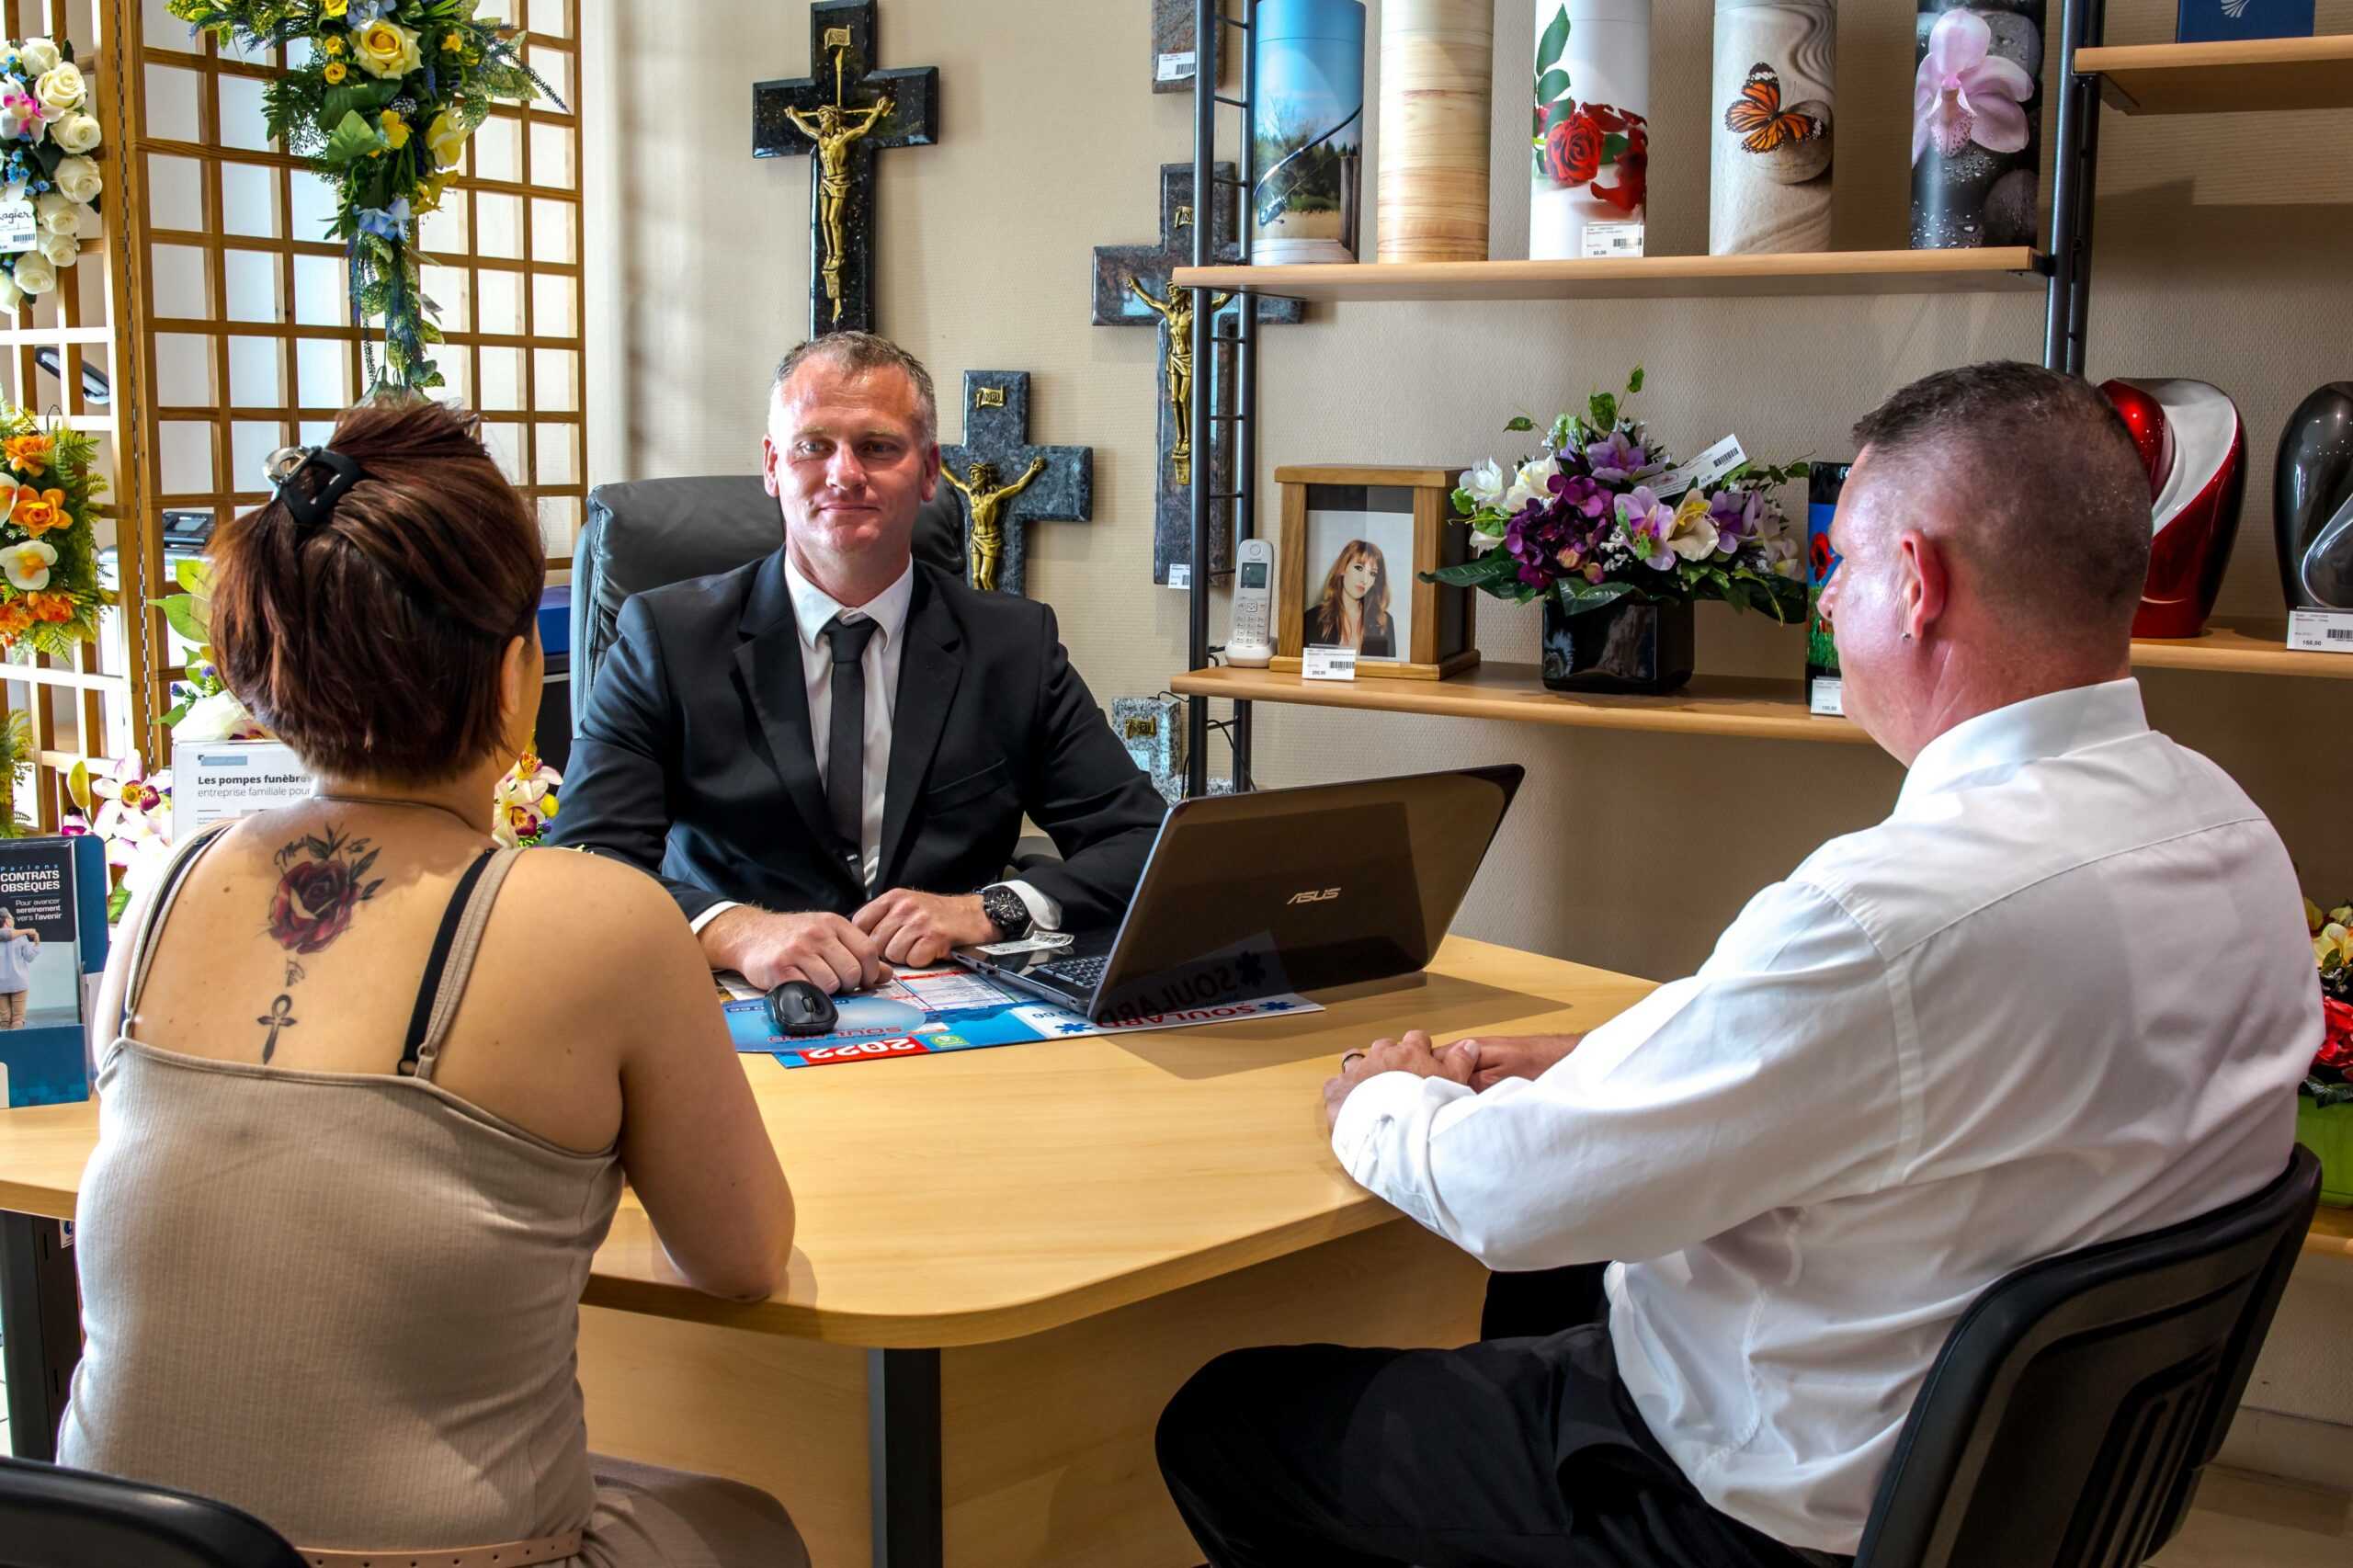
column 916, row 929
column 767, row 949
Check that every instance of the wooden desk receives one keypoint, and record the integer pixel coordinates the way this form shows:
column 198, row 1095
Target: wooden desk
column 1007, row 1261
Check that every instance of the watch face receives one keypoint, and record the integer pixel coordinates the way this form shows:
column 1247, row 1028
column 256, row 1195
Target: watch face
column 1005, row 911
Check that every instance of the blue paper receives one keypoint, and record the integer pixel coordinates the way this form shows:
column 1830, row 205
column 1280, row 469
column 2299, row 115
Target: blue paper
column 2217, row 21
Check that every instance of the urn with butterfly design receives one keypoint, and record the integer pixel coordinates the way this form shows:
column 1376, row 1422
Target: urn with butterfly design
column 1770, row 146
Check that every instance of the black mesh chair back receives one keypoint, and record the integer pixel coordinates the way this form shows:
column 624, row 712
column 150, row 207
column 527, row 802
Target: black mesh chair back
column 650, row 532
column 51, row 1518
column 2066, row 1421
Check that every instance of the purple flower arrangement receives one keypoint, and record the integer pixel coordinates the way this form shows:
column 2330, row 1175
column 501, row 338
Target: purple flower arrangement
column 1603, row 513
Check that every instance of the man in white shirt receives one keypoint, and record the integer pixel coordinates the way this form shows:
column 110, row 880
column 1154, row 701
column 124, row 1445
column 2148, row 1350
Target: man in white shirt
column 2063, row 994
column 826, row 756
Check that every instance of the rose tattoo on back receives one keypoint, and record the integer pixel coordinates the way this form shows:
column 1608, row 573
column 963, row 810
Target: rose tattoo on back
column 321, row 880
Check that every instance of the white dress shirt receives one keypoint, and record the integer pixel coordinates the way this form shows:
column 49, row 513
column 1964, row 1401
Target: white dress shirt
column 814, row 609
column 2062, row 995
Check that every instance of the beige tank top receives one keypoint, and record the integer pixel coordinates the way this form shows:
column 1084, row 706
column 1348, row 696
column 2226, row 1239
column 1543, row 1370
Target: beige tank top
column 345, row 1302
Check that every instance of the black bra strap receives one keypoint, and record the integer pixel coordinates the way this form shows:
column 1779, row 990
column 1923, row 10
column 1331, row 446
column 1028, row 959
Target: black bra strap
column 421, row 1020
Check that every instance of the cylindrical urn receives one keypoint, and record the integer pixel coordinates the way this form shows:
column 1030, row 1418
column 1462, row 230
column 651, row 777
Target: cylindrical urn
column 1771, row 136
column 1307, row 131
column 1976, row 123
column 1590, row 128
column 1436, row 69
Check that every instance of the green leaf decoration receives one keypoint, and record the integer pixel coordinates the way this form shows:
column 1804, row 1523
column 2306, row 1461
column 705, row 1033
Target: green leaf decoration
column 185, row 618
column 1464, row 504
column 353, row 140
column 1550, row 48
column 1553, row 87
column 1493, row 567
column 1634, row 381
column 1521, row 422
column 194, row 576
column 1602, row 408
column 355, row 97
column 1613, row 147
column 1577, row 597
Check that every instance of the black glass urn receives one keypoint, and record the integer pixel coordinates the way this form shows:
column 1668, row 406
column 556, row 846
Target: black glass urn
column 1628, row 645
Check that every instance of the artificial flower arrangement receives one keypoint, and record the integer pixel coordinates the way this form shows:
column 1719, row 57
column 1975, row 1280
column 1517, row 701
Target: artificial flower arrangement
column 382, row 102
column 2330, row 1082
column 50, row 592
column 48, row 142
column 128, row 808
column 1601, row 515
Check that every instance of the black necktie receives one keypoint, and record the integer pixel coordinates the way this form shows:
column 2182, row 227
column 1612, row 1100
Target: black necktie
column 846, row 751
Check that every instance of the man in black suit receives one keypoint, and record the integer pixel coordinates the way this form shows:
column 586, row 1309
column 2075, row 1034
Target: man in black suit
column 826, row 756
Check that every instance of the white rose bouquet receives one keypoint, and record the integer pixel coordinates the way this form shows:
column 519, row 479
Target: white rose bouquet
column 46, row 137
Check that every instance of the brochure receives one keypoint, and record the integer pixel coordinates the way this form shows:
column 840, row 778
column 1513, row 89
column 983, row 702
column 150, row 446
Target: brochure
column 52, row 939
column 952, row 1009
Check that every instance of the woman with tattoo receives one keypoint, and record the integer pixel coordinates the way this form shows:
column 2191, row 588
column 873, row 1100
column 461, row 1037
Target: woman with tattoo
column 376, row 1086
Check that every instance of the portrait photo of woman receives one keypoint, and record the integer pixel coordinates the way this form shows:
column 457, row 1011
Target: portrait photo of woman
column 1352, row 608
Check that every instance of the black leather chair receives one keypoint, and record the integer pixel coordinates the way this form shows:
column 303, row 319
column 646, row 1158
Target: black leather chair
column 649, row 532
column 51, row 1518
column 2069, row 1416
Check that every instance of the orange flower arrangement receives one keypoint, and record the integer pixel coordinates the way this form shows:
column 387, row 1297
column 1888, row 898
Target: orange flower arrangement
column 52, row 609
column 37, row 511
column 30, row 455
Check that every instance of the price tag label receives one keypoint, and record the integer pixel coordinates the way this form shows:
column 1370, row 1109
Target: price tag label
column 1328, row 664
column 1176, row 67
column 1180, row 575
column 2321, row 630
column 1601, row 241
column 1824, row 697
column 1706, row 469
column 19, row 226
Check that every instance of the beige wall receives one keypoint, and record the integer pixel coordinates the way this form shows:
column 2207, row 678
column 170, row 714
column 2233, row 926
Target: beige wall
column 2222, row 255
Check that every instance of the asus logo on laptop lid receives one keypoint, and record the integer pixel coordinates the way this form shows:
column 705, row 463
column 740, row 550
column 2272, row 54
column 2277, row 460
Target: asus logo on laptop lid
column 1311, row 896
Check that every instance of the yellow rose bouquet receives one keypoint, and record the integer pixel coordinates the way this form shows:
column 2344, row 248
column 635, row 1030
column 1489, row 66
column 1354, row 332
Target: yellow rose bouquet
column 380, row 98
column 50, row 591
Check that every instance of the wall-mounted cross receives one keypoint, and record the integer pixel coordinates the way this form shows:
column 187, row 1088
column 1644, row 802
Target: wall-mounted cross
column 1006, row 482
column 1131, row 289
column 839, row 114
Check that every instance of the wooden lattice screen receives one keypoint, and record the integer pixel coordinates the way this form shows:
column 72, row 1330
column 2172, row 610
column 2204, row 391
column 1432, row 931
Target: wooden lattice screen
column 62, row 356
column 214, row 269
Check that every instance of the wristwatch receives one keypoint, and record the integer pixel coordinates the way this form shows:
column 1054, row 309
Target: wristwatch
column 1006, row 912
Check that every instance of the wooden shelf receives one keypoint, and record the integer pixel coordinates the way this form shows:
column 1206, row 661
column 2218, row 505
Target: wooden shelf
column 1711, row 705
column 2332, row 1233
column 2249, row 75
column 2231, row 645
column 1638, row 278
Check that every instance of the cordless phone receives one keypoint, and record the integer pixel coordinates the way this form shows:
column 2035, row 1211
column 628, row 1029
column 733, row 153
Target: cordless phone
column 1250, row 640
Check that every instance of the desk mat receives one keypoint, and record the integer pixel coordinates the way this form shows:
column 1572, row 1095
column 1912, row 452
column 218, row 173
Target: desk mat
column 934, row 1011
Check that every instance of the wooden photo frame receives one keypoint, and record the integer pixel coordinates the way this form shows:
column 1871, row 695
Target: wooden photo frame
column 1405, row 517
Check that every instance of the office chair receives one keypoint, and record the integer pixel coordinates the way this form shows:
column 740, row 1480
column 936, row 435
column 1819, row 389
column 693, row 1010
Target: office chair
column 649, row 532
column 51, row 1518
column 2066, row 1421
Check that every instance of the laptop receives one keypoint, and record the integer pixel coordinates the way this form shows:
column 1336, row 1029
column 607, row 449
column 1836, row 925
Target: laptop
column 1254, row 895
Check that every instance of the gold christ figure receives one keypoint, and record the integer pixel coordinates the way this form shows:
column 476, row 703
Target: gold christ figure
column 1177, row 309
column 833, row 132
column 989, row 500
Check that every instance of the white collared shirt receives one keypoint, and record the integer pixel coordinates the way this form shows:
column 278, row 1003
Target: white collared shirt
column 813, row 611
column 2063, row 994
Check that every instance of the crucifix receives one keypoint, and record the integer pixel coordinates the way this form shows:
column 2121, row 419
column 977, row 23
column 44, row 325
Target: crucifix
column 1006, row 482
column 1132, row 289
column 839, row 114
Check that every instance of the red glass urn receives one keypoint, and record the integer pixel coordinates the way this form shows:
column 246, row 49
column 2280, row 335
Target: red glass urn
column 2194, row 446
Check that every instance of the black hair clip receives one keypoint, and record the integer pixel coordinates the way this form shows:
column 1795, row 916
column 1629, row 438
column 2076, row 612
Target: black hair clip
column 284, row 468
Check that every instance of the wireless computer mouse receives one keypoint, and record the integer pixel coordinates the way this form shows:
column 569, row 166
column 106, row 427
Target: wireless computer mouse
column 797, row 1008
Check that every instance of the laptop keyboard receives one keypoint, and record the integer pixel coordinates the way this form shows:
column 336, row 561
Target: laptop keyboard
column 1075, row 973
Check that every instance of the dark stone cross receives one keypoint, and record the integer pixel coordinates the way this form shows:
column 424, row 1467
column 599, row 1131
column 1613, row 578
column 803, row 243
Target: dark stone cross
column 1120, row 272
column 837, row 115
column 1020, row 483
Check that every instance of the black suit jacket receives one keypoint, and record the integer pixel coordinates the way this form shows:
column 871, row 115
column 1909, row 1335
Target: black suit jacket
column 695, row 760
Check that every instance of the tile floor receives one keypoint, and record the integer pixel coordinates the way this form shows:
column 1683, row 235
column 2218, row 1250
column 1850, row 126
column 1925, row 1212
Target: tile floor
column 2241, row 1521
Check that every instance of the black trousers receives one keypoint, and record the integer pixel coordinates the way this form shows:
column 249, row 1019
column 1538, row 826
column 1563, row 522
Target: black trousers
column 1524, row 1448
